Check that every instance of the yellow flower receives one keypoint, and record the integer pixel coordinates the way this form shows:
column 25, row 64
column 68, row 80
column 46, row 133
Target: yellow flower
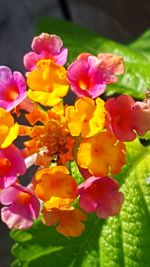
column 86, row 117
column 102, row 154
column 8, row 130
column 48, row 83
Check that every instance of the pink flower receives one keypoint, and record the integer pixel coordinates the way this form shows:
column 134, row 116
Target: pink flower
column 141, row 115
column 100, row 195
column 12, row 164
column 12, row 88
column 46, row 46
column 112, row 65
column 126, row 118
column 23, row 207
column 89, row 75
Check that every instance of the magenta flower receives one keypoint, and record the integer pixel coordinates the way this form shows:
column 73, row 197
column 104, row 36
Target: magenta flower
column 100, row 195
column 12, row 88
column 12, row 164
column 46, row 46
column 127, row 118
column 22, row 207
column 89, row 75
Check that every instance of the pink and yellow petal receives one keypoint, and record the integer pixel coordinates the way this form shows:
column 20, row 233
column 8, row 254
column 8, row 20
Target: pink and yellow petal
column 113, row 63
column 30, row 60
column 45, row 42
column 46, row 46
column 12, row 164
column 12, row 88
column 89, row 75
column 22, row 207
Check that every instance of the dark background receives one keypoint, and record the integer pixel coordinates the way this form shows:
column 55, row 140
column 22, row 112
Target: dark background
column 120, row 20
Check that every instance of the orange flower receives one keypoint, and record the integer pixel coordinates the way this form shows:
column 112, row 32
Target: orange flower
column 52, row 137
column 69, row 220
column 55, row 187
column 102, row 154
column 8, row 129
column 86, row 117
column 48, row 83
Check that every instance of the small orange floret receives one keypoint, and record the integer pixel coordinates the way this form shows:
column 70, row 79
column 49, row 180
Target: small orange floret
column 48, row 83
column 55, row 187
column 69, row 220
column 87, row 117
column 36, row 115
column 52, row 136
column 102, row 154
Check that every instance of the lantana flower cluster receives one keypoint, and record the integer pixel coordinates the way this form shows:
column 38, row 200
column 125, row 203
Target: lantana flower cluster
column 92, row 132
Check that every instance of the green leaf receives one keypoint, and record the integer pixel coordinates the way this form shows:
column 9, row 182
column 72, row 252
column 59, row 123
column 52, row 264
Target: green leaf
column 45, row 247
column 75, row 172
column 137, row 77
column 142, row 44
column 121, row 241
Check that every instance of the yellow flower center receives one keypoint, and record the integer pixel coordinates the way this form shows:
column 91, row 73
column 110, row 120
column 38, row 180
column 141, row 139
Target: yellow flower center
column 23, row 198
column 11, row 93
column 83, row 85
